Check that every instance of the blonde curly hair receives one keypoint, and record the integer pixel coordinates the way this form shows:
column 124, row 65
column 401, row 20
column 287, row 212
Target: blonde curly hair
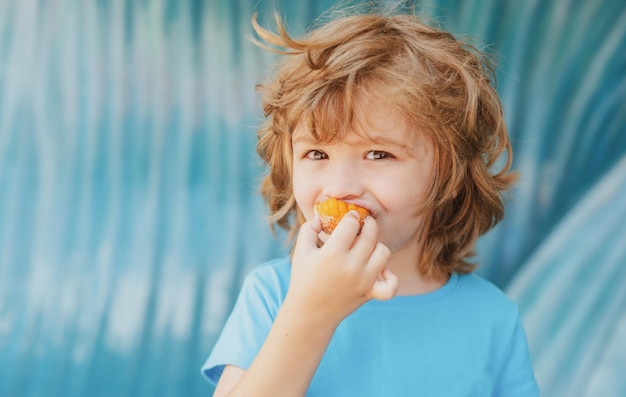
column 437, row 82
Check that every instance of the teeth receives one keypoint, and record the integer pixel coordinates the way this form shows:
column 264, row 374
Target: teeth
column 332, row 210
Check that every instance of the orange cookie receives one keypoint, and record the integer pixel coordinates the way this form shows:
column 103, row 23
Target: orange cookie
column 332, row 210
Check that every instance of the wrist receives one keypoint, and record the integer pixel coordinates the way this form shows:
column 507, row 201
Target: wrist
column 306, row 318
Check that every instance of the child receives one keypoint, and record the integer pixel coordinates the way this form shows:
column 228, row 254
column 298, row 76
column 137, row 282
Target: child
column 399, row 118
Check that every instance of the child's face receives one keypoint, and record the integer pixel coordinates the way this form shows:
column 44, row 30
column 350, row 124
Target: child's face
column 386, row 170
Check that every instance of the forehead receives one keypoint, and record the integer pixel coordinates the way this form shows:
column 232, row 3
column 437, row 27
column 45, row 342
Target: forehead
column 371, row 120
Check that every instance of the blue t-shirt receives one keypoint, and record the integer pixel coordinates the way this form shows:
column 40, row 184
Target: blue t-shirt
column 464, row 339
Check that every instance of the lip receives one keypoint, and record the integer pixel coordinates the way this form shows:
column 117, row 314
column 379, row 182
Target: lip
column 359, row 203
column 362, row 205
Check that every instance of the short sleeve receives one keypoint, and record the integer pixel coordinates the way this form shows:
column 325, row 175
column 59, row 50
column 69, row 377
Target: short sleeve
column 249, row 322
column 517, row 378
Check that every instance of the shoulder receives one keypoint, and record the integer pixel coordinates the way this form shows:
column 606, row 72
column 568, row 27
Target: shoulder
column 276, row 270
column 270, row 278
column 484, row 292
column 487, row 303
column 500, row 316
column 249, row 322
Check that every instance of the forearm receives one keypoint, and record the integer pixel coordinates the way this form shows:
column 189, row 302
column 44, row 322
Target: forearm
column 289, row 357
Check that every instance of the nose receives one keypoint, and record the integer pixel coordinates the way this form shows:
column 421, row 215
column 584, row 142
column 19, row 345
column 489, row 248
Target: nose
column 344, row 181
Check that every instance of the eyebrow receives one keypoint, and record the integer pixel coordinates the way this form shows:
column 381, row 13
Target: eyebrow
column 381, row 140
column 390, row 142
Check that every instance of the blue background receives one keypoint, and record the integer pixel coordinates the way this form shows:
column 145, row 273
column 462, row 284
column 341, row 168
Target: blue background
column 128, row 180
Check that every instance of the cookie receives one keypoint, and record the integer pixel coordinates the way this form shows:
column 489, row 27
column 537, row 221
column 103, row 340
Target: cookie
column 332, row 210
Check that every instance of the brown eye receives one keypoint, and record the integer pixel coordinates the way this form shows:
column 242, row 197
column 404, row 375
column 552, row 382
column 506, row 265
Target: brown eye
column 316, row 155
column 378, row 155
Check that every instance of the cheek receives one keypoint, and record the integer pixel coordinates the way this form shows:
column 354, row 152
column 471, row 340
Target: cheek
column 304, row 193
column 403, row 196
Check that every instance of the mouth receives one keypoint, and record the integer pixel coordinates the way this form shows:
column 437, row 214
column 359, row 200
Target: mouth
column 363, row 205
column 331, row 212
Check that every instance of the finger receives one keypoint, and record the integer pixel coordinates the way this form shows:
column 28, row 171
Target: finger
column 308, row 234
column 345, row 232
column 367, row 240
column 378, row 259
column 386, row 286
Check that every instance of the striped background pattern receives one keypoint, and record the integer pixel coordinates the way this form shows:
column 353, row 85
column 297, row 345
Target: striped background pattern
column 128, row 180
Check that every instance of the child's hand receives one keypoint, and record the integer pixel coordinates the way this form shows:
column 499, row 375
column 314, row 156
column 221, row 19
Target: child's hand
column 348, row 270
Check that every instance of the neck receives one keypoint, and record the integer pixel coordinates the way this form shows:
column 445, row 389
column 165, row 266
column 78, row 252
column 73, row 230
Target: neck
column 412, row 280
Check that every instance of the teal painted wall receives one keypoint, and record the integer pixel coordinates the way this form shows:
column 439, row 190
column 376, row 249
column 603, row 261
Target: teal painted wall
column 128, row 177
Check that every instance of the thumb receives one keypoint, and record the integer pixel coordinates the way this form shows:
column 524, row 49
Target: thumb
column 386, row 285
